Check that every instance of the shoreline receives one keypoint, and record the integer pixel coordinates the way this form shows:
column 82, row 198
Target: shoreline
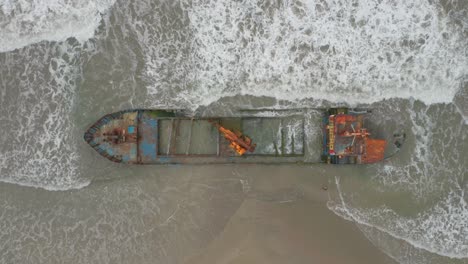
column 297, row 229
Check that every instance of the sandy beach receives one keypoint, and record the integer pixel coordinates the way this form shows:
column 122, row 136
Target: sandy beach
column 184, row 214
column 261, row 232
column 293, row 226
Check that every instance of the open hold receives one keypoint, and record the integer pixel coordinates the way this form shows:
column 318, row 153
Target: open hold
column 324, row 48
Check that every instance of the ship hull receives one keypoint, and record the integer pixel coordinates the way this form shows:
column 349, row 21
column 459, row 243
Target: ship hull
column 150, row 136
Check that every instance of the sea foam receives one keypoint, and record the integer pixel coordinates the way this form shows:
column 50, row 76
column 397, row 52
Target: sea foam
column 442, row 229
column 352, row 51
column 26, row 22
column 39, row 147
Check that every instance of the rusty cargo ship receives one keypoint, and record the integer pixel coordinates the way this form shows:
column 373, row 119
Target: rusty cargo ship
column 151, row 136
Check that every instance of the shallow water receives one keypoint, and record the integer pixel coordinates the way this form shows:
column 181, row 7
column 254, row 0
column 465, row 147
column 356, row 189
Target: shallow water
column 63, row 65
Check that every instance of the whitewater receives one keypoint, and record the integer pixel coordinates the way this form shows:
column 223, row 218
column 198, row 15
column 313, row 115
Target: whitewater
column 408, row 58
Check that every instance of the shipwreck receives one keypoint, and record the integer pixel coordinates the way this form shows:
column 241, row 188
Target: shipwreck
column 151, row 136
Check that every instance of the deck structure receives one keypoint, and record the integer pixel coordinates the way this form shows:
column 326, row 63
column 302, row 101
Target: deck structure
column 347, row 141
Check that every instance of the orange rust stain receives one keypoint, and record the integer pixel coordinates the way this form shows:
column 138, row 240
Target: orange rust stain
column 375, row 149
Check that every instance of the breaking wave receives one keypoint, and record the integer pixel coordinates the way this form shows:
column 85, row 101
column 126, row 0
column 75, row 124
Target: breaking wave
column 432, row 230
column 38, row 89
column 366, row 50
column 26, row 22
column 40, row 149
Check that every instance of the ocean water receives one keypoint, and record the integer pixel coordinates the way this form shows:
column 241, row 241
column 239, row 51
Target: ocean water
column 63, row 64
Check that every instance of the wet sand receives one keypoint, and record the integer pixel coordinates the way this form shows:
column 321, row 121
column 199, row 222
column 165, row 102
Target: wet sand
column 261, row 232
column 293, row 227
column 183, row 214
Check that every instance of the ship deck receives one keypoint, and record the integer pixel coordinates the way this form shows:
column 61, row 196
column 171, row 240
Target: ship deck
column 158, row 137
